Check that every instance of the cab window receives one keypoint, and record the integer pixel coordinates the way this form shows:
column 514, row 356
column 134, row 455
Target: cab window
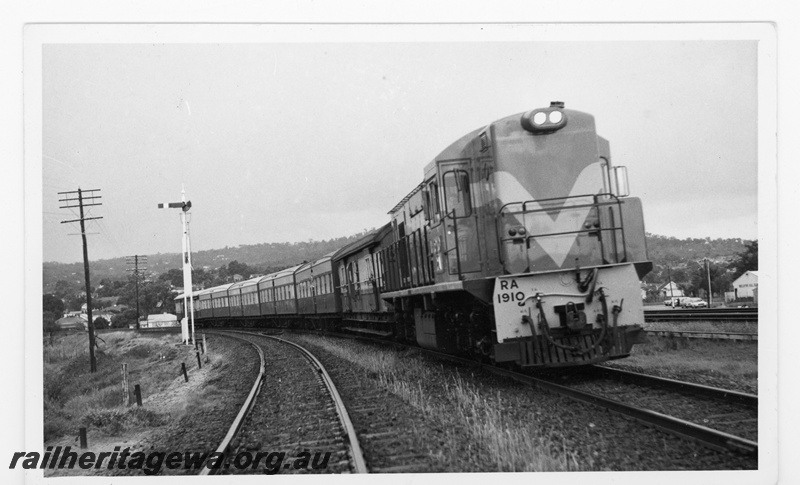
column 457, row 193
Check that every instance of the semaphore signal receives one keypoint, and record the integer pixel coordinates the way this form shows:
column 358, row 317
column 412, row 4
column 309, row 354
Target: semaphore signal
column 188, row 301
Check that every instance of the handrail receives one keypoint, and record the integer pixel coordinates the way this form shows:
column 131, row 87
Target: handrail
column 598, row 201
column 455, row 238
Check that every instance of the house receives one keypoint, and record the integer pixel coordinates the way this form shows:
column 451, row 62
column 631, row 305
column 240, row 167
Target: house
column 161, row 320
column 744, row 285
column 72, row 322
column 669, row 290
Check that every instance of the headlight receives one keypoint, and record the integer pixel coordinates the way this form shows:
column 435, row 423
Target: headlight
column 545, row 119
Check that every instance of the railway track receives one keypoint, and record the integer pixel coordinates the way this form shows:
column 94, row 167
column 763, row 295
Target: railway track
column 720, row 419
column 704, row 335
column 702, row 314
column 707, row 415
column 300, row 411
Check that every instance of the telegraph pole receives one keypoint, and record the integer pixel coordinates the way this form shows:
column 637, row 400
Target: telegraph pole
column 671, row 294
column 188, row 297
column 708, row 272
column 135, row 260
column 84, row 201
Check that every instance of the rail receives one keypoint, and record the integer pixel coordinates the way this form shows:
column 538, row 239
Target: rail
column 708, row 437
column 663, row 382
column 359, row 463
column 245, row 409
column 704, row 335
column 700, row 314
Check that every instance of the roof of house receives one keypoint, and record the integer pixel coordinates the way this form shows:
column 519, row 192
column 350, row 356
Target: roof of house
column 162, row 317
column 72, row 321
column 754, row 273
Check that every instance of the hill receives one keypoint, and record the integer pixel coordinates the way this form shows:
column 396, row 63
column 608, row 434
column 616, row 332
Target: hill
column 264, row 258
column 664, row 251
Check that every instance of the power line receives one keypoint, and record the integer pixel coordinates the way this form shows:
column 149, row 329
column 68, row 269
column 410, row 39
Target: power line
column 80, row 200
column 136, row 261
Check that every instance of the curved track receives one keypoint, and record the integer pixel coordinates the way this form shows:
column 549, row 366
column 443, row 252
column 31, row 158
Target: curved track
column 737, row 410
column 314, row 412
column 246, row 407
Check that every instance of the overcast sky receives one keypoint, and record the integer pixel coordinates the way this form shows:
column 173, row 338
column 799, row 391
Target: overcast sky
column 283, row 142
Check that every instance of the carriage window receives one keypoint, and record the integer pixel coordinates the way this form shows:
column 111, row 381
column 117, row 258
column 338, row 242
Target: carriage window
column 456, row 193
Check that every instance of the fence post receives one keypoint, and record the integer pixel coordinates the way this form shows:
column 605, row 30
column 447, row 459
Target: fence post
column 138, row 392
column 84, row 441
column 185, row 375
column 199, row 365
column 126, row 392
column 205, row 346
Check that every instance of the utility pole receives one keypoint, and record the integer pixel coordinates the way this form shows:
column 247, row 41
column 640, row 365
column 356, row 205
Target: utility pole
column 708, row 272
column 669, row 282
column 135, row 261
column 188, row 297
column 84, row 201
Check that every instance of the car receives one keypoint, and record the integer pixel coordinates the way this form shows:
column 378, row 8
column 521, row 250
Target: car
column 694, row 303
column 673, row 302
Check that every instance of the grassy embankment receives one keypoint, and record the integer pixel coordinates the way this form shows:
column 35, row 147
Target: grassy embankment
column 447, row 398
column 75, row 397
column 721, row 359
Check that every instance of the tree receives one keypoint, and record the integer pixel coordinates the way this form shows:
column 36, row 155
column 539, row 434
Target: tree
column 52, row 304
column 101, row 322
column 747, row 260
column 124, row 319
column 173, row 277
column 64, row 289
column 698, row 279
column 156, row 296
column 235, row 267
column 49, row 321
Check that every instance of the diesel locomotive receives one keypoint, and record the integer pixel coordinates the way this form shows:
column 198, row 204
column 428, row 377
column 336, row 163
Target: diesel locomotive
column 521, row 245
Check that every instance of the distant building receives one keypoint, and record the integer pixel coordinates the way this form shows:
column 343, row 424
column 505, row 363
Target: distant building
column 72, row 322
column 744, row 285
column 669, row 290
column 160, row 320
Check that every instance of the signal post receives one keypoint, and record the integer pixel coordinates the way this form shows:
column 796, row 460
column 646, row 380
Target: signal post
column 188, row 291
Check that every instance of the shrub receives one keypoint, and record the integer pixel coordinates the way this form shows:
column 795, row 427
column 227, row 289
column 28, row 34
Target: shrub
column 101, row 322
